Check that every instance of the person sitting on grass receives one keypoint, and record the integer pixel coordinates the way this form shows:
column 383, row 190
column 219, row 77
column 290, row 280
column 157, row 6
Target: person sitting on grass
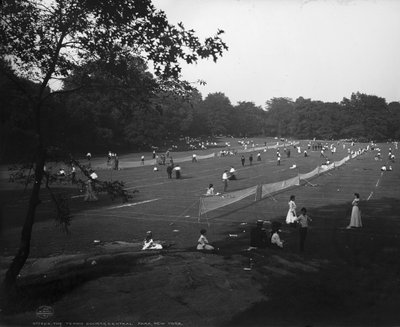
column 275, row 238
column 202, row 243
column 149, row 244
column 232, row 174
column 210, row 190
column 177, row 170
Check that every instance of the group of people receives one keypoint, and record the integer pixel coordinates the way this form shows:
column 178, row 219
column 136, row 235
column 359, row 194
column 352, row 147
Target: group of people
column 112, row 160
column 202, row 243
column 243, row 159
column 171, row 167
column 261, row 238
column 63, row 175
column 302, row 221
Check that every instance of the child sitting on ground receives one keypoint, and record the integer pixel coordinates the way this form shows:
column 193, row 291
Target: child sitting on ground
column 275, row 238
column 210, row 190
column 202, row 243
column 149, row 244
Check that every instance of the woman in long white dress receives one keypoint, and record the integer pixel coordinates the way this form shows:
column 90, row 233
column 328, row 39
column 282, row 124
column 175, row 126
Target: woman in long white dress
column 291, row 215
column 355, row 220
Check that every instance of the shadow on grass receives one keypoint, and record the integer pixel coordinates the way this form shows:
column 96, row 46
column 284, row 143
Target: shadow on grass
column 358, row 282
column 34, row 291
column 360, row 285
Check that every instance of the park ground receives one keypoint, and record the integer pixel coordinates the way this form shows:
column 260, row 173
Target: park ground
column 98, row 275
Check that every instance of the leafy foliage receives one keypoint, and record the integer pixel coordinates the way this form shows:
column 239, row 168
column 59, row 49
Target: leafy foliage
column 48, row 40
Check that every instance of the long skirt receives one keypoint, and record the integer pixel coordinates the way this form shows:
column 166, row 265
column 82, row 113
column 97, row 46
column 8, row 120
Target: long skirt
column 355, row 220
column 290, row 217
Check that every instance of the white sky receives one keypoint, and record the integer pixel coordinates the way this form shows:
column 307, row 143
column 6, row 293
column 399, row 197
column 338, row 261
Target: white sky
column 323, row 50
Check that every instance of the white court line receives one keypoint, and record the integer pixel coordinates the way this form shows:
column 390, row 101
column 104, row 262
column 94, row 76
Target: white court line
column 77, row 196
column 370, row 195
column 133, row 204
column 147, row 185
column 161, row 218
column 377, row 183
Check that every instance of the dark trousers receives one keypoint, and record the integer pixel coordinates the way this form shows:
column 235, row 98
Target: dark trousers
column 303, row 235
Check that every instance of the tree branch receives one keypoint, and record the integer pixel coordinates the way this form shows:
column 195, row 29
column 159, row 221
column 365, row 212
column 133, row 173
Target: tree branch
column 62, row 92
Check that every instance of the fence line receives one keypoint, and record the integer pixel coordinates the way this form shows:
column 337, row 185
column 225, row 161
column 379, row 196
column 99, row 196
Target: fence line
column 210, row 203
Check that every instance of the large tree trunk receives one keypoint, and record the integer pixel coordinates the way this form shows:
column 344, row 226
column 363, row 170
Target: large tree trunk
column 9, row 282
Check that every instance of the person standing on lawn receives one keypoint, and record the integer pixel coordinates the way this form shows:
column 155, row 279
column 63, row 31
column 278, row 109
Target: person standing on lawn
column 169, row 171
column 291, row 215
column 225, row 180
column 355, row 219
column 303, row 221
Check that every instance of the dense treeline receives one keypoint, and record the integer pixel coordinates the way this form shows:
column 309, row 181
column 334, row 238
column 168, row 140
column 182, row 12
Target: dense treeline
column 134, row 112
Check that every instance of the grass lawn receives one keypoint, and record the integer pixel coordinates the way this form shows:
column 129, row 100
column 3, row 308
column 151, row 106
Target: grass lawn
column 345, row 277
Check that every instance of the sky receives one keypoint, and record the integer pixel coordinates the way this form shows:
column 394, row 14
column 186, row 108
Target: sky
column 318, row 49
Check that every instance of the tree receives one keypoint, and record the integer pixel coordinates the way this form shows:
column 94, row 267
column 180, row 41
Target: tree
column 247, row 120
column 394, row 116
column 315, row 119
column 16, row 128
column 370, row 116
column 217, row 109
column 111, row 108
column 47, row 40
column 177, row 114
column 280, row 113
